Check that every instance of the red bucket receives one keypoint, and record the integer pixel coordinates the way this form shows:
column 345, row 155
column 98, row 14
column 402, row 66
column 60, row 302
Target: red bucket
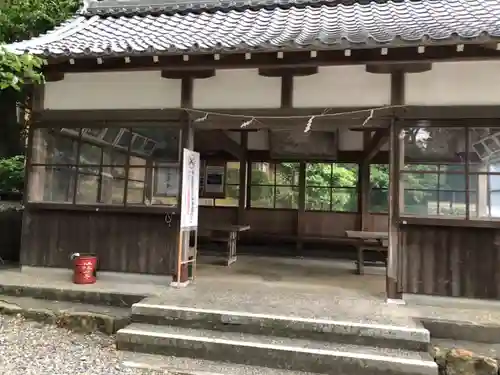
column 84, row 269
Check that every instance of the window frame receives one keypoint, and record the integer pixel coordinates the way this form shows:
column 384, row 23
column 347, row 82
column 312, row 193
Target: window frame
column 331, row 188
column 77, row 136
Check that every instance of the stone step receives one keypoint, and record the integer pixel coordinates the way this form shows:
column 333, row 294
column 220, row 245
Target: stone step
column 190, row 366
column 79, row 317
column 273, row 352
column 415, row 338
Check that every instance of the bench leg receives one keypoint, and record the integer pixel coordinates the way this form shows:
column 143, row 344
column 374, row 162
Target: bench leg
column 360, row 266
column 231, row 248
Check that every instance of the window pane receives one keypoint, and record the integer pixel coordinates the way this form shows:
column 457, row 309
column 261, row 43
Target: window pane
column 124, row 139
column 287, row 174
column 421, row 167
column 113, row 185
column 484, row 145
column 318, row 174
column 345, row 200
column 90, row 154
column 166, row 182
column 287, row 197
column 262, row 196
column 379, row 200
column 51, row 184
column 112, row 157
column 233, row 173
column 135, row 192
column 485, row 197
column 420, row 202
column 344, row 175
column 50, row 147
column 379, row 176
column 318, row 198
column 110, row 135
column 453, row 182
column 137, row 161
column 87, row 188
column 232, row 195
column 452, row 203
column 161, row 143
column 262, row 174
column 434, row 145
column 417, row 181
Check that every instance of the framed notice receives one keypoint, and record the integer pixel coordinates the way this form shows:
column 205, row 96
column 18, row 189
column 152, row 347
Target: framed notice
column 190, row 189
column 166, row 180
column 215, row 181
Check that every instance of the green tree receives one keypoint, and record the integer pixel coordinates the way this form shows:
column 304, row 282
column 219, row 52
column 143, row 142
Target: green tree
column 21, row 20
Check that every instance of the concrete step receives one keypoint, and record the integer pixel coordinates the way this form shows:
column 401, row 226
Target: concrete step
column 79, row 317
column 415, row 338
column 189, row 366
column 273, row 352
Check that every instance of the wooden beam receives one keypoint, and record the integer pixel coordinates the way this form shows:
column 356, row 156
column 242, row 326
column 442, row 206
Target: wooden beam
column 265, row 60
column 390, row 68
column 375, row 143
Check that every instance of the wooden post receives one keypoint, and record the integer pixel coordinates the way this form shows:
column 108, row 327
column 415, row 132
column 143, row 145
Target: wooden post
column 181, row 274
column 394, row 261
column 242, row 199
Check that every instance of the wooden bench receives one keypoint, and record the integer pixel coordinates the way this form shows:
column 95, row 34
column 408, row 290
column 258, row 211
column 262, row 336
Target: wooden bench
column 378, row 241
column 226, row 234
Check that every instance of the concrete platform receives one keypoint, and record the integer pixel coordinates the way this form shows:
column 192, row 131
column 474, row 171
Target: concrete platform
column 283, row 353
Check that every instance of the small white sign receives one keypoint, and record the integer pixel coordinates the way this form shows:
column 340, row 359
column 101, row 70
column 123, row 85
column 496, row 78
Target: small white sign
column 190, row 189
column 214, row 179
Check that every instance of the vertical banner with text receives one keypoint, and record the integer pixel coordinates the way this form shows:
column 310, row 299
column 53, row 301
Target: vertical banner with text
column 190, row 189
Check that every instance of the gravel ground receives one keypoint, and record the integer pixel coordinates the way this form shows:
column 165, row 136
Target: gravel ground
column 30, row 348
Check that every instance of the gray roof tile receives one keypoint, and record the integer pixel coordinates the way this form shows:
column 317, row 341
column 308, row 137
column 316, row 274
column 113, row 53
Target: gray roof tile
column 361, row 25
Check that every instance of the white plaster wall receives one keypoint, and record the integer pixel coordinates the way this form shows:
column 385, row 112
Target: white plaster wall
column 258, row 140
column 342, row 86
column 238, row 88
column 113, row 90
column 456, row 83
column 350, row 140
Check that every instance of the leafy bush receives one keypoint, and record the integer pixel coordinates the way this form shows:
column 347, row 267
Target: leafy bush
column 12, row 174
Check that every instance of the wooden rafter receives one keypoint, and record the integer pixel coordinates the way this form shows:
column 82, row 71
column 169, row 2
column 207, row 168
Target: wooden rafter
column 377, row 141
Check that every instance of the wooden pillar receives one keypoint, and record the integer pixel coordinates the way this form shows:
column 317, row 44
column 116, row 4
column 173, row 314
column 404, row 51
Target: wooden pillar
column 187, row 141
column 242, row 199
column 394, row 262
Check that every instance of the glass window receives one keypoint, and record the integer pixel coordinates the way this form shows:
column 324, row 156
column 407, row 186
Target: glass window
column 331, row 187
column 379, row 188
column 274, row 185
column 96, row 165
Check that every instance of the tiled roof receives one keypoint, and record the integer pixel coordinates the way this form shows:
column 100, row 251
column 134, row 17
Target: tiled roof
column 326, row 26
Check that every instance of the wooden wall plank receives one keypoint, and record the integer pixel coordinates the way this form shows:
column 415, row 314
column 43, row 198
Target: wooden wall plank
column 123, row 242
column 451, row 261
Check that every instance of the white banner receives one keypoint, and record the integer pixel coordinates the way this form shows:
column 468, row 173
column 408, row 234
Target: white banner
column 190, row 188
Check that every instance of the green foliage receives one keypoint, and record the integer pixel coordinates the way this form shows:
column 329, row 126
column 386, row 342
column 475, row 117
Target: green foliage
column 16, row 70
column 12, row 174
column 24, row 19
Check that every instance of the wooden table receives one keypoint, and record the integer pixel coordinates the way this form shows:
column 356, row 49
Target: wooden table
column 226, row 234
column 367, row 241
